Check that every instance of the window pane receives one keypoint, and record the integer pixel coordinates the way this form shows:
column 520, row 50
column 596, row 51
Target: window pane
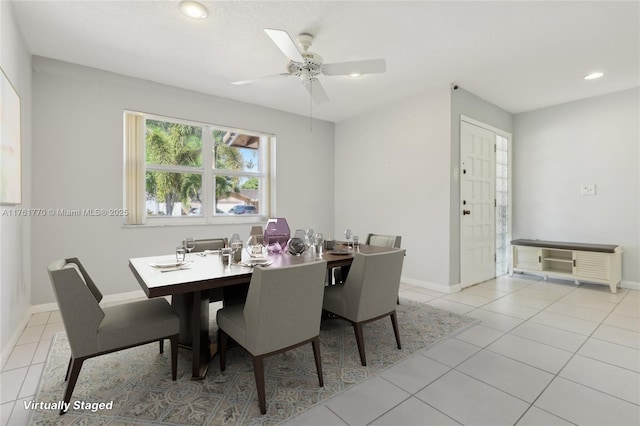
column 502, row 199
column 237, row 195
column 236, row 151
column 173, row 144
column 173, row 194
column 199, row 170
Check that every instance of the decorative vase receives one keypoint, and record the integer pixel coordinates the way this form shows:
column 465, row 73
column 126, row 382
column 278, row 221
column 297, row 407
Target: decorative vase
column 296, row 246
column 276, row 235
column 256, row 246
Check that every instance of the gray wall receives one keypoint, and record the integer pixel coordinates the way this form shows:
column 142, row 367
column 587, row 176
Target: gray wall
column 78, row 163
column 407, row 183
column 392, row 177
column 558, row 149
column 15, row 291
column 467, row 104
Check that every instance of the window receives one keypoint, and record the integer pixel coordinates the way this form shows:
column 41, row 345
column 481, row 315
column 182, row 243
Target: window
column 185, row 172
column 502, row 205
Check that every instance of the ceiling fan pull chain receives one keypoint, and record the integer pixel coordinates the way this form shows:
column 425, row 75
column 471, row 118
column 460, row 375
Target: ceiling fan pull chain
column 310, row 105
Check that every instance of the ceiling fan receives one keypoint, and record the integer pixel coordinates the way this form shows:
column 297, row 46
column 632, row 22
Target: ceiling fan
column 308, row 66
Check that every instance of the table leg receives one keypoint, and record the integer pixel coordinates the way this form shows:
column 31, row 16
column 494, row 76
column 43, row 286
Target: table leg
column 193, row 310
column 200, row 333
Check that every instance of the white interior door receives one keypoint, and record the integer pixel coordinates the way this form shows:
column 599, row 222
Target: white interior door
column 477, row 202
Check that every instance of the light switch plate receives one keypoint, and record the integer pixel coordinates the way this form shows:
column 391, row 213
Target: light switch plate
column 588, row 190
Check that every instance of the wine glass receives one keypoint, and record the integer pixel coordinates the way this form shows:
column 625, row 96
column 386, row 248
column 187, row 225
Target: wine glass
column 189, row 244
column 309, row 237
column 347, row 235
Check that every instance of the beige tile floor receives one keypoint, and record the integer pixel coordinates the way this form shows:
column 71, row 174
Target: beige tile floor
column 545, row 353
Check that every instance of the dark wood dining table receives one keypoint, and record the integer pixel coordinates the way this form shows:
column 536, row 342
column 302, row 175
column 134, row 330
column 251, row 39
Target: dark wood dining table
column 190, row 288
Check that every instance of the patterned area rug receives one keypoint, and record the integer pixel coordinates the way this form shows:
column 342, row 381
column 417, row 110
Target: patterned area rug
column 137, row 388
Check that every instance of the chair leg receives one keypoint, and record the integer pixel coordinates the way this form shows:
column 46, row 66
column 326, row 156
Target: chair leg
column 76, row 365
column 174, row 356
column 258, row 372
column 394, row 322
column 315, row 343
column 357, row 328
column 223, row 348
column 161, row 342
column 66, row 376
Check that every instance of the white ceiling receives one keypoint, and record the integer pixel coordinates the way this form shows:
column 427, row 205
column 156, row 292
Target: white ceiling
column 519, row 55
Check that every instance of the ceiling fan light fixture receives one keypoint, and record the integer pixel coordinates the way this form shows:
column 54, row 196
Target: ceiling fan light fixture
column 309, row 67
column 593, row 75
column 193, row 9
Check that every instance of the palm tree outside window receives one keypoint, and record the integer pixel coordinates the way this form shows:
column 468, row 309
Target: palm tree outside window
column 198, row 171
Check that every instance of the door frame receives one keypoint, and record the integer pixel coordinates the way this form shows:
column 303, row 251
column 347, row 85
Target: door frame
column 509, row 137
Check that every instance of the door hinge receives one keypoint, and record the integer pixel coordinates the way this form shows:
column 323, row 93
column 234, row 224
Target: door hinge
column 495, row 258
column 495, row 203
column 494, row 148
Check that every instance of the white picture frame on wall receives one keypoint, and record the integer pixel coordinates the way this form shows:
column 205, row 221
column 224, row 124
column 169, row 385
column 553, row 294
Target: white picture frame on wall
column 10, row 143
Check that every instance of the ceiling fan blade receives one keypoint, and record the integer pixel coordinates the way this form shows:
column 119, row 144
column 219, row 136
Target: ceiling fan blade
column 317, row 92
column 266, row 77
column 371, row 66
column 285, row 43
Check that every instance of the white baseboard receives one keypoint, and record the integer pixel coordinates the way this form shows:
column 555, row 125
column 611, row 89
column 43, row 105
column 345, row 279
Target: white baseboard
column 432, row 286
column 630, row 285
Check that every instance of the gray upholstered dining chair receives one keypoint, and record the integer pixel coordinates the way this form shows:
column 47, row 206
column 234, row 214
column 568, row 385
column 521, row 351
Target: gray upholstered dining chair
column 210, row 244
column 384, row 240
column 369, row 293
column 216, row 294
column 282, row 312
column 93, row 330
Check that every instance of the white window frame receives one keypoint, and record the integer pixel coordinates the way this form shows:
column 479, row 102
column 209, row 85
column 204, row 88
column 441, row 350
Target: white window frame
column 265, row 175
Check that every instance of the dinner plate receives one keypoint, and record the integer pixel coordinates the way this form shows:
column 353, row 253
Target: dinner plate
column 173, row 264
column 256, row 262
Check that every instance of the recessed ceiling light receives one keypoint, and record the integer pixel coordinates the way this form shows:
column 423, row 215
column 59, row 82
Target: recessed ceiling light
column 193, row 9
column 355, row 74
column 593, row 75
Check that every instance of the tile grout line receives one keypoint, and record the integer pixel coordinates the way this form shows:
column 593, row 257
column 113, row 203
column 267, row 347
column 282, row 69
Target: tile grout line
column 532, row 404
column 566, row 363
column 28, row 367
column 583, row 343
column 561, row 368
column 587, row 337
column 480, row 349
column 414, row 394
